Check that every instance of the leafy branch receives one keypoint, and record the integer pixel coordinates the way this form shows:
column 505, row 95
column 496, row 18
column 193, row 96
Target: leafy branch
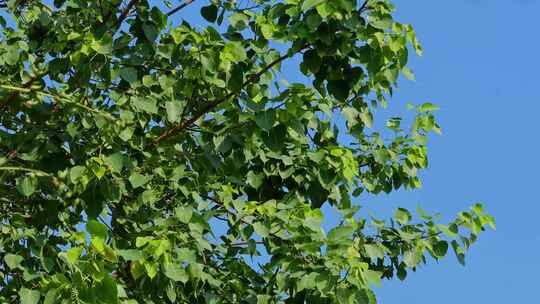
column 23, row 89
column 188, row 122
column 33, row 171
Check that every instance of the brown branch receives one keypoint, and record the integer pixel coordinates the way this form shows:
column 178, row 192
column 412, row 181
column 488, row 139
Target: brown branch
column 11, row 98
column 186, row 123
column 125, row 12
column 181, row 6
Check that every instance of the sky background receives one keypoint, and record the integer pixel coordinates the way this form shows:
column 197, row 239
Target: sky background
column 481, row 66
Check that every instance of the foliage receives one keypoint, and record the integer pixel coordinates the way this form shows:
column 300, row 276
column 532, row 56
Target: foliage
column 147, row 160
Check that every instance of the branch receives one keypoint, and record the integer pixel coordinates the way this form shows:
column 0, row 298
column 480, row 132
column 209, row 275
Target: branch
column 186, row 123
column 125, row 12
column 34, row 171
column 364, row 6
column 181, row 6
column 18, row 90
column 16, row 93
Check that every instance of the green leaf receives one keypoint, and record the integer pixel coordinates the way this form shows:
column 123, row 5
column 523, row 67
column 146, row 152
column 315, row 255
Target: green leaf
column 176, row 273
column 450, row 231
column 234, row 51
column 73, row 254
column 27, row 185
column 186, row 255
column 440, row 248
column 339, row 89
column 28, row 296
column 171, row 293
column 381, row 156
column 367, row 119
column 312, row 61
column 267, row 30
column 103, row 46
column 427, row 107
column 314, row 221
column 239, row 20
column 460, row 253
column 254, row 180
column 373, row 277
column 411, row 258
column 141, row 241
column 174, row 110
column 13, row 260
column 275, row 138
column 107, row 290
column 115, row 161
column 184, row 214
column 130, row 254
column 261, row 229
column 148, row 105
column 92, row 112
column 313, row 21
column 209, row 12
column 374, row 251
column 51, row 297
column 340, row 233
column 151, row 269
column 149, row 196
column 308, row 4
column 401, row 272
column 129, row 74
column 97, row 229
column 408, row 73
column 236, row 78
column 150, row 31
column 76, row 173
column 195, row 270
column 138, row 180
column 402, row 216
column 265, row 119
column 382, row 23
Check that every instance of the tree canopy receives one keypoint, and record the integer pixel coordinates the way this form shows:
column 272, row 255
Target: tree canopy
column 149, row 158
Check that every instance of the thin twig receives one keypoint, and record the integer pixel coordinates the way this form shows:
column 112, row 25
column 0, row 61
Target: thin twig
column 181, row 6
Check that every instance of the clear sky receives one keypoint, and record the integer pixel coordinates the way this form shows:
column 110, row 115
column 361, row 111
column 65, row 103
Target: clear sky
column 481, row 66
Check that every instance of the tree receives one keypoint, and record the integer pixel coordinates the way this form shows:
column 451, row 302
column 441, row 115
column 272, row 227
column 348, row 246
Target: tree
column 146, row 160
